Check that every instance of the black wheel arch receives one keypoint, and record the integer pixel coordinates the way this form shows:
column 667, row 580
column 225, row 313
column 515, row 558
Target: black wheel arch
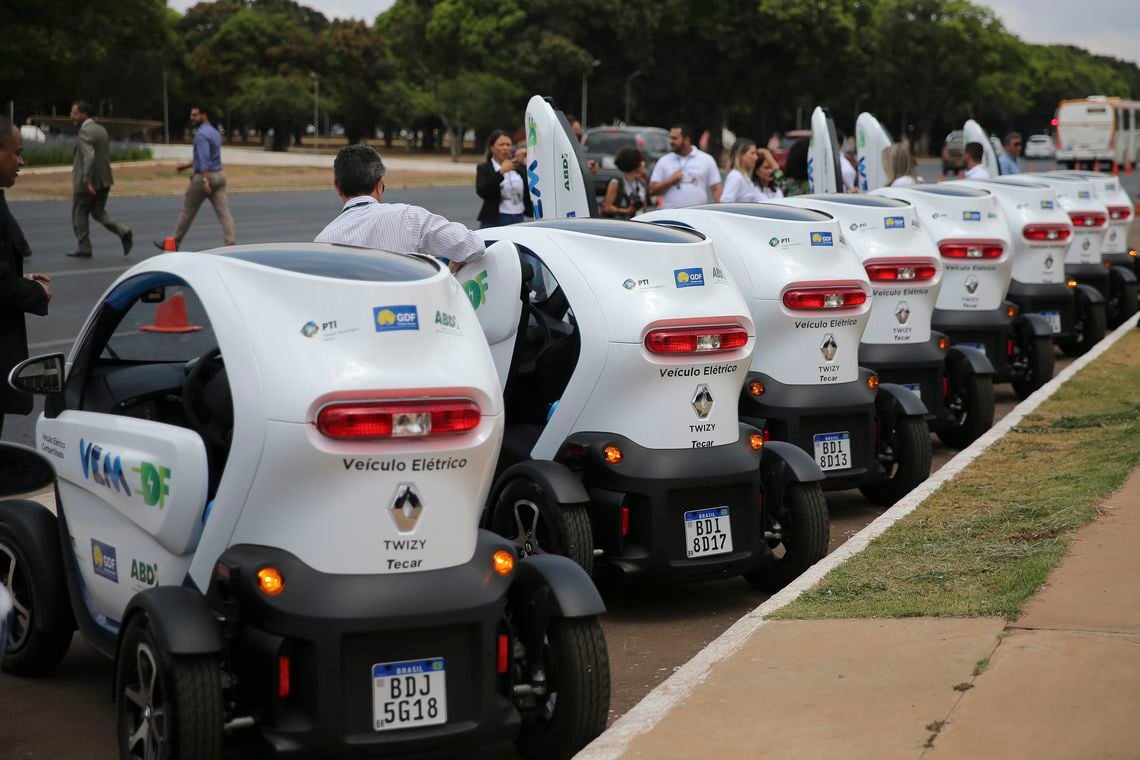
column 1032, row 326
column 556, row 480
column 962, row 360
column 37, row 529
column 781, row 464
column 180, row 618
column 1088, row 293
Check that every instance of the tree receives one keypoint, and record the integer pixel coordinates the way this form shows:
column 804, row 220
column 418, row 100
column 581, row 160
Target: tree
column 361, row 78
column 276, row 103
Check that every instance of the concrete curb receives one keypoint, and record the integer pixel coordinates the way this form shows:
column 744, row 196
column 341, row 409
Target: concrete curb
column 660, row 702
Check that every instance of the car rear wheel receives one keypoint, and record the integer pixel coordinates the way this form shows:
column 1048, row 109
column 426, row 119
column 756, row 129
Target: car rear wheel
column 1039, row 366
column 33, row 648
column 525, row 514
column 910, row 445
column 803, row 538
column 1089, row 328
column 1121, row 301
column 971, row 410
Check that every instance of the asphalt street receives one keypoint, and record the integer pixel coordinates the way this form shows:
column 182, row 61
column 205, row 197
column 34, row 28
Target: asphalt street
column 649, row 633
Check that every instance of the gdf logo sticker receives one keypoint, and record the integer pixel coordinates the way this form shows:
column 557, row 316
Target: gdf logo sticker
column 821, row 238
column 389, row 318
column 689, row 278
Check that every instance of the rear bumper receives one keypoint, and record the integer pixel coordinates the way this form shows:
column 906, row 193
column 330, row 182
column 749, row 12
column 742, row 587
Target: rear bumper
column 334, row 628
column 1036, row 298
column 797, row 413
column 988, row 329
column 658, row 486
column 910, row 364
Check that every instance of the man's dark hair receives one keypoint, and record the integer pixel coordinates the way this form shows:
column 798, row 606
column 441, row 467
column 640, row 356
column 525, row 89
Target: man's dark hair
column 202, row 108
column 974, row 151
column 84, row 106
column 1011, row 137
column 357, row 170
column 686, row 130
column 7, row 131
column 628, row 159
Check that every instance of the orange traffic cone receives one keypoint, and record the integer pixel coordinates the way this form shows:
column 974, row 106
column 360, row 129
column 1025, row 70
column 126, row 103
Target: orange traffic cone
column 170, row 316
column 169, row 244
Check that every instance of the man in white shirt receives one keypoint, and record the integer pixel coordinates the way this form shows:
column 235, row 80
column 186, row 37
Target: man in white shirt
column 686, row 175
column 972, row 158
column 364, row 222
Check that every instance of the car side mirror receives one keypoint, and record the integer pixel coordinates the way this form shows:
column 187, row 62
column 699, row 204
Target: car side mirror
column 23, row 470
column 41, row 375
column 154, row 295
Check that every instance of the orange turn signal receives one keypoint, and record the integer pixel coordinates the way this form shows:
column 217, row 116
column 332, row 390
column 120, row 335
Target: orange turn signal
column 270, row 582
column 503, row 562
column 1131, row 251
column 872, row 381
column 1011, row 311
column 1071, row 283
column 756, row 441
column 613, row 454
column 756, row 388
column 943, row 344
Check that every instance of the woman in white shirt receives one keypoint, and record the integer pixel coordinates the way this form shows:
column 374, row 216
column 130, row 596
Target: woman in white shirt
column 500, row 182
column 899, row 166
column 750, row 180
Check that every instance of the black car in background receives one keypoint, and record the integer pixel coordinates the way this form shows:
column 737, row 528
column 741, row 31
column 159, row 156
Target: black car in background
column 601, row 144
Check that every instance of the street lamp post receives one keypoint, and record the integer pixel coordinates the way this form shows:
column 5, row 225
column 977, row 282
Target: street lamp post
column 316, row 109
column 628, row 94
column 593, row 65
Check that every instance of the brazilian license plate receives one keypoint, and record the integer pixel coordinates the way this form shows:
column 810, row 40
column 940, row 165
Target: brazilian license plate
column 409, row 694
column 707, row 532
column 833, row 450
column 1053, row 318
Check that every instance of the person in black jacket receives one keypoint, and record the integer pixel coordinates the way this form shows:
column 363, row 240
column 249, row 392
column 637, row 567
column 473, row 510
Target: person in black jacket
column 502, row 184
column 19, row 293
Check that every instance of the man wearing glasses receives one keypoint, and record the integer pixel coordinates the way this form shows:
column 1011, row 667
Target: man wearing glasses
column 1007, row 161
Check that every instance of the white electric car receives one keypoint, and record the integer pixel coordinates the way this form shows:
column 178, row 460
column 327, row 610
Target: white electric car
column 271, row 523
column 810, row 301
column 1120, row 209
column 1085, row 261
column 1040, row 232
column 622, row 347
column 969, row 229
column 905, row 272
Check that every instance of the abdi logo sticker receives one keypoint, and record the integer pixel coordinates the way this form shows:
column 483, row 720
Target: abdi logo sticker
column 388, row 318
column 689, row 278
column 821, row 238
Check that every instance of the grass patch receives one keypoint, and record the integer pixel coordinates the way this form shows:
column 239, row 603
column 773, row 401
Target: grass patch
column 984, row 542
column 163, row 180
column 59, row 152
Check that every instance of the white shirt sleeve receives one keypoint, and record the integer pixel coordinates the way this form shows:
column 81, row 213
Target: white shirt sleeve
column 736, row 188
column 443, row 239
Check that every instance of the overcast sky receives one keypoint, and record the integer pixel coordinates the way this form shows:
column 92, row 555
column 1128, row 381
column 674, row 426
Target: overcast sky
column 1107, row 27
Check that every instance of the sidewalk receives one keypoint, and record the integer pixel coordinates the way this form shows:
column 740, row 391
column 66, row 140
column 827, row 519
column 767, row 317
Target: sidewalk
column 1063, row 681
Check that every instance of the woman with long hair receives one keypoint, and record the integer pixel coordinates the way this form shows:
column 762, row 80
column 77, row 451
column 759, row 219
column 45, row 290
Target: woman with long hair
column 501, row 183
column 899, row 166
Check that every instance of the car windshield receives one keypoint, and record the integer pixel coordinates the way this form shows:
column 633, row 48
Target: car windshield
column 1039, row 139
column 611, row 141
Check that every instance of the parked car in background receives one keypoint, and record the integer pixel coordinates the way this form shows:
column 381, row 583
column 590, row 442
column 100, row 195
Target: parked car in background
column 601, row 144
column 1039, row 146
column 952, row 152
column 786, row 141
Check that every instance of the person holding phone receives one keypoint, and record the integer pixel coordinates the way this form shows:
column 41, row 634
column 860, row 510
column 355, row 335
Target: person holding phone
column 501, row 182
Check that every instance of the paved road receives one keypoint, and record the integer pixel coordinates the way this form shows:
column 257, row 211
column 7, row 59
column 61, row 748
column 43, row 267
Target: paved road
column 649, row 633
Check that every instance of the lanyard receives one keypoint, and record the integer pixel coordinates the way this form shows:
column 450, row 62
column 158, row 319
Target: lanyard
column 355, row 205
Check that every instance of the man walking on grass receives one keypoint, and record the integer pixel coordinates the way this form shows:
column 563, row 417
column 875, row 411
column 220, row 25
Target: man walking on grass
column 208, row 182
column 91, row 182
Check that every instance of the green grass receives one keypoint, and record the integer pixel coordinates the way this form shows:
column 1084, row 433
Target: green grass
column 984, row 542
column 56, row 152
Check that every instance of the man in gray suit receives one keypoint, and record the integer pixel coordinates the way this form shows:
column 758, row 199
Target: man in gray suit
column 91, row 182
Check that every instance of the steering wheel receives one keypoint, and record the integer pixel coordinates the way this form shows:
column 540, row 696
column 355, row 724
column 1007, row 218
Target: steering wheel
column 205, row 381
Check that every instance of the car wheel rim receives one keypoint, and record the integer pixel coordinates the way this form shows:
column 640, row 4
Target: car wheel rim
column 146, row 713
column 15, row 580
column 527, row 518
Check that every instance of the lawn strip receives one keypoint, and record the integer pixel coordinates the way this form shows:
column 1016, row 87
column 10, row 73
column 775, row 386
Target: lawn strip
column 985, row 541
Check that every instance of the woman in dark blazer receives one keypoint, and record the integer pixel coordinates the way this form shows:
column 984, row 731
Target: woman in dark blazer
column 501, row 184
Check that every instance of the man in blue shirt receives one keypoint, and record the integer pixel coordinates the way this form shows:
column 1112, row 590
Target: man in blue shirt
column 1007, row 161
column 208, row 181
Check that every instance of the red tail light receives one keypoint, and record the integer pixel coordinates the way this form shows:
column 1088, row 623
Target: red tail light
column 696, row 340
column 971, row 249
column 825, row 298
column 1088, row 218
column 905, row 271
column 1119, row 213
column 624, row 521
column 397, row 419
column 282, row 677
column 504, row 651
column 1048, row 233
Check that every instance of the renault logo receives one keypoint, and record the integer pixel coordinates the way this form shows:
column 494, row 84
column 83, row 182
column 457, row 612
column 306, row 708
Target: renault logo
column 971, row 284
column 406, row 508
column 1086, row 245
column 829, row 347
column 902, row 312
column 1049, row 261
column 702, row 402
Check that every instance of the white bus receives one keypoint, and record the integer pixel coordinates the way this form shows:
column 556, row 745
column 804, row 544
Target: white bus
column 1098, row 128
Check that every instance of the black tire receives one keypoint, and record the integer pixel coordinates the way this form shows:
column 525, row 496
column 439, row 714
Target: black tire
column 806, row 531
column 559, row 529
column 1121, row 302
column 911, row 444
column 1040, row 360
column 577, row 667
column 975, row 414
column 33, row 648
column 1093, row 326
column 179, row 698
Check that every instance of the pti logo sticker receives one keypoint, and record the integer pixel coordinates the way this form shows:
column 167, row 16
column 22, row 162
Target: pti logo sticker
column 774, row 242
column 821, row 238
column 104, row 561
column 309, row 329
column 971, row 216
column 894, row 222
column 389, row 318
column 689, row 278
column 629, row 283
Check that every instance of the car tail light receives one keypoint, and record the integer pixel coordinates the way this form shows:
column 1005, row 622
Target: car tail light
column 895, row 271
column 1088, row 219
column 504, row 651
column 1058, row 233
column 369, row 420
column 824, row 298
column 624, row 521
column 1119, row 213
column 283, row 670
column 971, row 249
column 696, row 340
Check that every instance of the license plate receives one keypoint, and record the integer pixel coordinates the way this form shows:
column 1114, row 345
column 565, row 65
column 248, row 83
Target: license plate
column 707, row 532
column 833, row 450
column 914, row 388
column 1054, row 319
column 979, row 346
column 409, row 694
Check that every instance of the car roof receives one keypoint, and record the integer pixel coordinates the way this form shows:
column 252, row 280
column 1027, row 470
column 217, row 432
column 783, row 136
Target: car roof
column 769, row 211
column 334, row 261
column 622, row 230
